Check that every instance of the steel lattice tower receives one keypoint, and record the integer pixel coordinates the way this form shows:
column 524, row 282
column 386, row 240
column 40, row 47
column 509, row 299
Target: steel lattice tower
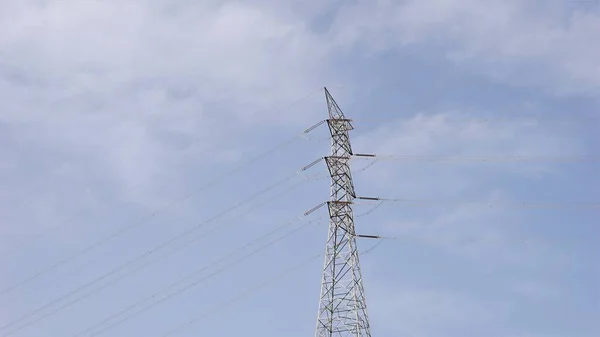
column 342, row 307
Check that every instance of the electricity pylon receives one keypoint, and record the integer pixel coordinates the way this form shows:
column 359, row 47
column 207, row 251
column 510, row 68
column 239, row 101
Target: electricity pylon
column 342, row 306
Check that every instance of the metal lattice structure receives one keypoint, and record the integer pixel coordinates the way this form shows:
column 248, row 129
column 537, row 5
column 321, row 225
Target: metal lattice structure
column 342, row 307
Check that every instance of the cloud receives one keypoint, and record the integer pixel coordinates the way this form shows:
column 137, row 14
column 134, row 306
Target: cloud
column 140, row 87
column 461, row 134
column 469, row 209
column 218, row 48
column 518, row 42
column 481, row 233
column 137, row 84
column 112, row 106
column 448, row 249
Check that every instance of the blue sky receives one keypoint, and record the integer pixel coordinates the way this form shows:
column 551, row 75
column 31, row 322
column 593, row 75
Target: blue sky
column 111, row 110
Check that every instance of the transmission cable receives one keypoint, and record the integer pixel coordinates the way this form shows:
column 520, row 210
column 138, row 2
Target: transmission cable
column 44, row 232
column 491, row 119
column 191, row 276
column 438, row 202
column 253, row 290
column 371, row 210
column 149, row 253
column 242, row 295
column 484, row 159
column 174, row 250
column 123, row 230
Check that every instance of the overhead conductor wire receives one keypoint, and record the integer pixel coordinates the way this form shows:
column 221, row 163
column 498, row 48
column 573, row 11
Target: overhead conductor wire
column 190, row 277
column 438, row 202
column 484, row 159
column 140, row 257
column 485, row 120
column 214, row 181
column 306, row 178
column 34, row 237
column 251, row 291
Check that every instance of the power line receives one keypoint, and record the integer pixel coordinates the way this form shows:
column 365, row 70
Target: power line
column 487, row 204
column 373, row 209
column 581, row 118
column 484, row 159
column 251, row 291
column 121, row 231
column 146, row 254
column 185, row 244
column 190, row 277
column 241, row 296
column 145, row 218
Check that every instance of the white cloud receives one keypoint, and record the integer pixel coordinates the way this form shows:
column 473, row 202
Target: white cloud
column 140, row 87
column 221, row 49
column 137, row 82
column 467, row 209
column 460, row 134
column 485, row 234
column 470, row 240
column 123, row 94
column 522, row 42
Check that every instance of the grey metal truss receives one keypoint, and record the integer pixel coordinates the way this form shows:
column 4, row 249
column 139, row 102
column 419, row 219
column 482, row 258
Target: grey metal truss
column 342, row 306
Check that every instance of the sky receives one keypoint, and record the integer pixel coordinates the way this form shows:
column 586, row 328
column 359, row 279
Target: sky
column 151, row 143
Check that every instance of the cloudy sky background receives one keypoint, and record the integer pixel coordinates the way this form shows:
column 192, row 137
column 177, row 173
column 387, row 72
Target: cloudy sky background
column 112, row 110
